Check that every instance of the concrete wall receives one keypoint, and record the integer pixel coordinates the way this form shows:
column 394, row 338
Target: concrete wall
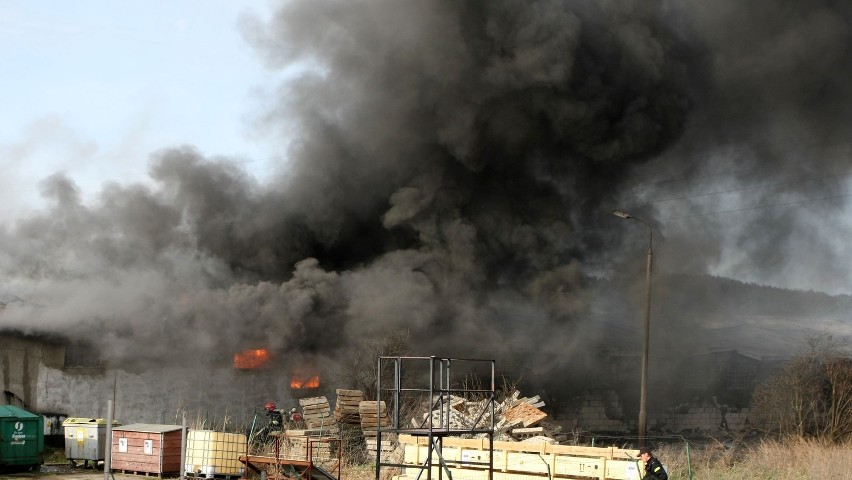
column 596, row 412
column 703, row 417
column 20, row 361
column 208, row 396
column 34, row 371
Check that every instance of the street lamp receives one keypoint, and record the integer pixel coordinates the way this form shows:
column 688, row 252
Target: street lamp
column 643, row 393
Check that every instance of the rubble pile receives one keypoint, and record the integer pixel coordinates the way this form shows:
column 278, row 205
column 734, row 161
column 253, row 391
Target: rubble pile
column 516, row 418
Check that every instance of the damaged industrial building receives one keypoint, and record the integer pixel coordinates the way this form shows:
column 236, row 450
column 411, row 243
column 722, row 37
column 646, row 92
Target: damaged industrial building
column 702, row 392
column 446, row 189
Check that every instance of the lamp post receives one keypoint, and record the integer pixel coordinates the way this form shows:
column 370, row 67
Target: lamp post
column 643, row 392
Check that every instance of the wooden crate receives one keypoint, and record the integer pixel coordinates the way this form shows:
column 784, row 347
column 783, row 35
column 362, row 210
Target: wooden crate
column 146, row 448
column 520, row 461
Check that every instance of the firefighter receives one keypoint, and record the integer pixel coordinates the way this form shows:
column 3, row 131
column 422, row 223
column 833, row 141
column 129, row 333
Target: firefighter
column 653, row 468
column 294, row 416
column 275, row 417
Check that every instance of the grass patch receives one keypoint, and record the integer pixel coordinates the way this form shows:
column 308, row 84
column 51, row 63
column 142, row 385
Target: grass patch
column 794, row 459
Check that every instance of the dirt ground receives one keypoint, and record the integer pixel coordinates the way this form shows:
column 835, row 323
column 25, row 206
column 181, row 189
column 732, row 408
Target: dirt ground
column 66, row 472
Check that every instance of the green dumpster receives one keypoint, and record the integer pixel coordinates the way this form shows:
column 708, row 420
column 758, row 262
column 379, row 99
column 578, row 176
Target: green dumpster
column 21, row 438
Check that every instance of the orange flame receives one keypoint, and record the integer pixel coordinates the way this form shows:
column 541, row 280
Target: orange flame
column 300, row 381
column 249, row 359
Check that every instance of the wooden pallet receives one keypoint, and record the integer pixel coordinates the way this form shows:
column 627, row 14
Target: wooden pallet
column 346, row 407
column 145, row 474
column 317, row 412
column 524, row 414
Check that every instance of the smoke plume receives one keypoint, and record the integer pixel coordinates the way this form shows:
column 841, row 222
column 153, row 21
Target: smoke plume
column 451, row 169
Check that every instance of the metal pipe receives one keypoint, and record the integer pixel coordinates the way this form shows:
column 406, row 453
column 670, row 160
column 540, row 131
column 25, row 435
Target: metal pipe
column 108, row 449
column 183, row 435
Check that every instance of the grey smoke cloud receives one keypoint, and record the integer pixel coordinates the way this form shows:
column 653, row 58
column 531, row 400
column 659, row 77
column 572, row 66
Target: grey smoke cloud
column 766, row 143
column 452, row 174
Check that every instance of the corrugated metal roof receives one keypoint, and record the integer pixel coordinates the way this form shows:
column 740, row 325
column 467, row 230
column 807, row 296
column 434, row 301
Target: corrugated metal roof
column 148, row 428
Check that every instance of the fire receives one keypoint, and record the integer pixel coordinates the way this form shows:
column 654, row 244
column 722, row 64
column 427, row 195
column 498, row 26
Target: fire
column 304, row 381
column 249, row 359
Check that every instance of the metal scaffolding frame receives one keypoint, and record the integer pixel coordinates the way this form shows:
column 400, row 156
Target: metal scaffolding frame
column 437, row 389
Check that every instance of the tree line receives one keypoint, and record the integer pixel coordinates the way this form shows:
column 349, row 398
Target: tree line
column 811, row 396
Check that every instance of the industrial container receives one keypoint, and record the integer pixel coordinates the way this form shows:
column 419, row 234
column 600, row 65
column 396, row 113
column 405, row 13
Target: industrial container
column 85, row 439
column 210, row 453
column 21, row 438
column 146, row 448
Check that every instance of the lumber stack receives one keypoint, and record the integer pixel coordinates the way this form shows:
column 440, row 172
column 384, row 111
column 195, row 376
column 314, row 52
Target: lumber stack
column 317, row 413
column 389, row 448
column 372, row 416
column 346, row 408
column 299, row 444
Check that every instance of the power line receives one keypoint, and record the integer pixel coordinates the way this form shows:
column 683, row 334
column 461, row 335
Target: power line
column 758, row 207
column 752, row 187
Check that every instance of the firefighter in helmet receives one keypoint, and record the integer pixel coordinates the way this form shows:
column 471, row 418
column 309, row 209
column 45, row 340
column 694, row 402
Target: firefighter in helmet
column 275, row 419
column 294, row 416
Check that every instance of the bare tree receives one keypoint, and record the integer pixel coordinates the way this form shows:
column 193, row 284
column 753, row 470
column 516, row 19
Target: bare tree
column 359, row 371
column 838, row 417
column 787, row 402
column 811, row 395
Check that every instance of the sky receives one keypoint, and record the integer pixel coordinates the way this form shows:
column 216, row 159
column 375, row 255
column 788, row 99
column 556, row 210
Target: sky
column 93, row 88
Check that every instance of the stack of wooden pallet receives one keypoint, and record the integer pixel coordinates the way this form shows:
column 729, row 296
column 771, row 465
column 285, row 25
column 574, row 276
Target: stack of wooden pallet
column 302, row 444
column 390, row 449
column 346, row 408
column 372, row 416
column 317, row 413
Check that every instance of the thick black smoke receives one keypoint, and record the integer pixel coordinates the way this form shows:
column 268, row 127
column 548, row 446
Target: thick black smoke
column 757, row 187
column 451, row 168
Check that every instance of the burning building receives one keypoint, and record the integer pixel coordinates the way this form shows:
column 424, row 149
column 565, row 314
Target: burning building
column 450, row 169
